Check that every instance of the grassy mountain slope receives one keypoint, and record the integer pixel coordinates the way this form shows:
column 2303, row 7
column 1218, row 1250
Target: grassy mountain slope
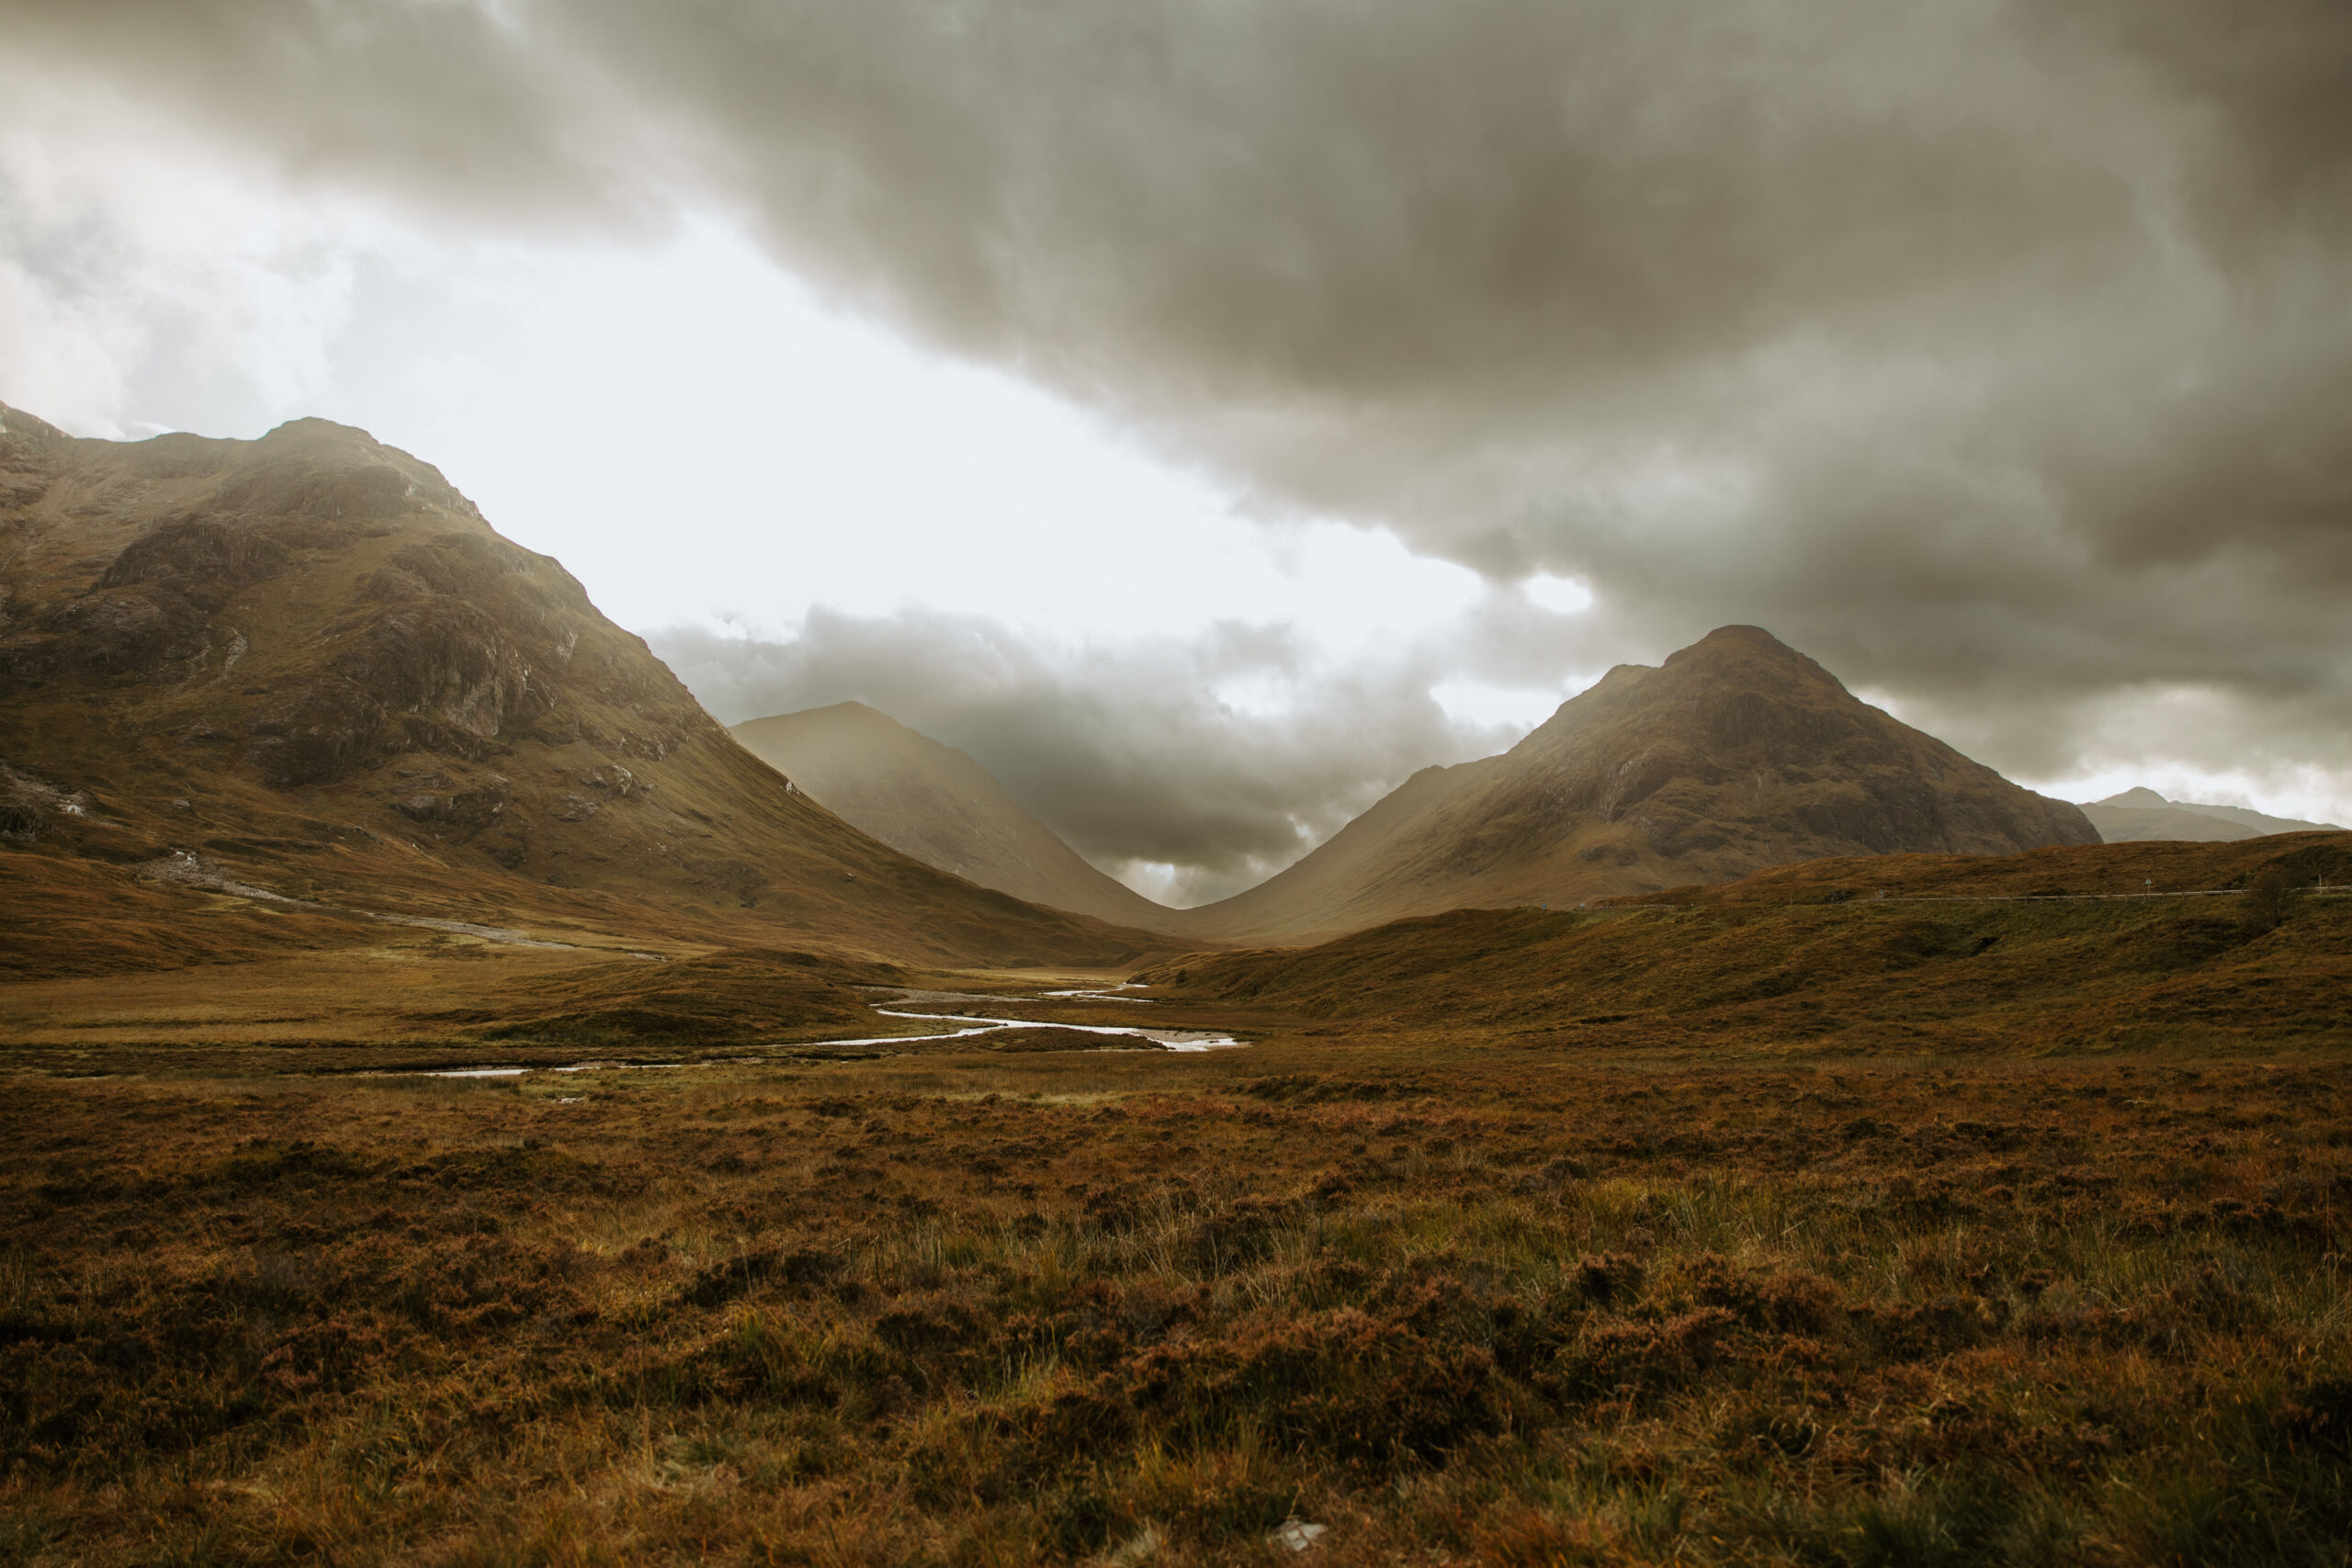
column 1737, row 754
column 936, row 804
column 305, row 664
column 2034, row 951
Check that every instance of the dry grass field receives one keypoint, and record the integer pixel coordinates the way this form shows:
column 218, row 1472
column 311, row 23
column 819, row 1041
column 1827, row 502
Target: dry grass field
column 1523, row 1237
column 1453, row 1303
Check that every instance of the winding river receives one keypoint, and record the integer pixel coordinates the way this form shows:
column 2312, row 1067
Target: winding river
column 970, row 1024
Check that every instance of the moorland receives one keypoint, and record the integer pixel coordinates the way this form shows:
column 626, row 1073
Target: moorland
column 462, row 1107
column 1993, row 1221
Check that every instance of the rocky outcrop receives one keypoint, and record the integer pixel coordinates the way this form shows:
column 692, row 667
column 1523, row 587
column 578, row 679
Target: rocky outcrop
column 448, row 640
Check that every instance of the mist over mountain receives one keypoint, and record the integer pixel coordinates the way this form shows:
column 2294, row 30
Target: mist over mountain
column 306, row 663
column 1613, row 1093
column 1128, row 754
column 1736, row 755
column 1994, row 354
column 2142, row 814
column 934, row 802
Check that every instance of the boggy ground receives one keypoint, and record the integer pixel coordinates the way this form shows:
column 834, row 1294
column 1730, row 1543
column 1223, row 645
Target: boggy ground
column 1513, row 1304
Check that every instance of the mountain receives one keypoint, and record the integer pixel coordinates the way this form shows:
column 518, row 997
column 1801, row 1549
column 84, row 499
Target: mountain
column 307, row 665
column 934, row 802
column 1737, row 754
column 2142, row 814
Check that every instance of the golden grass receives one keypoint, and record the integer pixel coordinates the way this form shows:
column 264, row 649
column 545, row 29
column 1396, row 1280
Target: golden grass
column 1455, row 1304
column 1513, row 1237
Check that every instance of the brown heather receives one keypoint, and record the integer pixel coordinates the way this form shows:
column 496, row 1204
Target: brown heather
column 1461, row 1289
column 1999, row 1220
column 1530, row 1312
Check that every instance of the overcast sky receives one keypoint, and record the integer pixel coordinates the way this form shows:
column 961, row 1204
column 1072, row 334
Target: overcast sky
column 1207, row 413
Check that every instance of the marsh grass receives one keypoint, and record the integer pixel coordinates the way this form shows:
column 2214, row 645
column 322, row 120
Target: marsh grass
column 1542, row 1310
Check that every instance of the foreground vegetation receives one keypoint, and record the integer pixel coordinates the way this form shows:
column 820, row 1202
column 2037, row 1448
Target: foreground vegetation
column 1986, row 1223
column 1528, row 1306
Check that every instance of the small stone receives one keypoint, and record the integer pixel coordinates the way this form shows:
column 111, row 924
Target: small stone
column 423, row 807
column 1297, row 1534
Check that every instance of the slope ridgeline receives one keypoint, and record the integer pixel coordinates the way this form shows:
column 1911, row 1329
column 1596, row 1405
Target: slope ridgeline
column 936, row 804
column 305, row 664
column 2142, row 814
column 1737, row 754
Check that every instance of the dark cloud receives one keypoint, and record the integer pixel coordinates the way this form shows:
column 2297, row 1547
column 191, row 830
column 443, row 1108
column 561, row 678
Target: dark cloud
column 460, row 107
column 1997, row 354
column 1128, row 752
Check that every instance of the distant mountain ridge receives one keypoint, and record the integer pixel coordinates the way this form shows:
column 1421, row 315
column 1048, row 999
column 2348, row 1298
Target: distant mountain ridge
column 307, row 662
column 2142, row 814
column 930, row 801
column 1739, row 753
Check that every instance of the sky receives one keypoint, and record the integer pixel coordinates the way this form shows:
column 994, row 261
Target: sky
column 1208, row 415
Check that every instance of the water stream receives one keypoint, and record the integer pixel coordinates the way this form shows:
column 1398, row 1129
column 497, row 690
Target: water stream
column 1187, row 1040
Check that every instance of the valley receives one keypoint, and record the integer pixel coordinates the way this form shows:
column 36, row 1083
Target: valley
column 1993, row 1221
column 1737, row 754
column 947, row 784
column 1448, row 1294
column 463, row 1106
column 309, row 663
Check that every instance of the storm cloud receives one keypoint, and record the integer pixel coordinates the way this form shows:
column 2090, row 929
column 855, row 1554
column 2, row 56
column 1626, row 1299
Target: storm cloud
column 1997, row 354
column 1138, row 755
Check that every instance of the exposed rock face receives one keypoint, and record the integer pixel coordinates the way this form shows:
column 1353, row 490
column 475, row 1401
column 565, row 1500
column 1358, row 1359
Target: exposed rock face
column 1739, row 753
column 358, row 600
column 317, row 626
column 411, row 625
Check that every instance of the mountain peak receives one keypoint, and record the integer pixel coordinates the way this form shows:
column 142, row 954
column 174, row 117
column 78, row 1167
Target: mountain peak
column 1741, row 634
column 312, row 432
column 312, row 656
column 2142, row 814
column 1729, row 648
column 1737, row 754
column 850, row 712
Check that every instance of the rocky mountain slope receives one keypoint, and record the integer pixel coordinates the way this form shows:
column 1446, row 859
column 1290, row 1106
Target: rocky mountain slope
column 1737, row 754
column 936, row 804
column 305, row 664
column 2142, row 814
